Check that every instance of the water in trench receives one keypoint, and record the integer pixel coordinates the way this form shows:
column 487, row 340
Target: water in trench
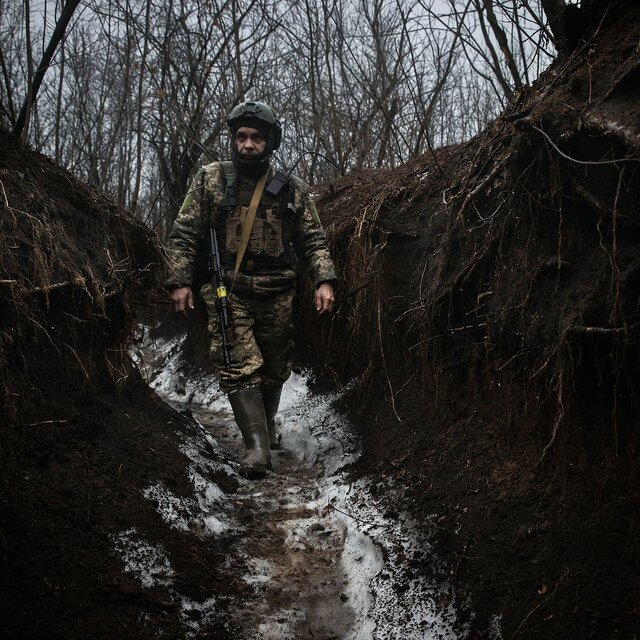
column 321, row 558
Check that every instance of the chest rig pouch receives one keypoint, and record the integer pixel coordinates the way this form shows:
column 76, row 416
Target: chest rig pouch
column 270, row 238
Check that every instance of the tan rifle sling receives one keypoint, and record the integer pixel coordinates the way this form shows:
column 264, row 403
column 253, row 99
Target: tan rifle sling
column 248, row 225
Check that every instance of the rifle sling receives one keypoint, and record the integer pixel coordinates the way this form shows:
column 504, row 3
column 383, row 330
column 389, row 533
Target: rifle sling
column 248, row 225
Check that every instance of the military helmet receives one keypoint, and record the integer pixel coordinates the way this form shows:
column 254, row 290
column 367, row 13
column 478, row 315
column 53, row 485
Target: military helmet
column 259, row 116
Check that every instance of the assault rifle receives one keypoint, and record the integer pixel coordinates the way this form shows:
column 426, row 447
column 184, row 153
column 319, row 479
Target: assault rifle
column 227, row 330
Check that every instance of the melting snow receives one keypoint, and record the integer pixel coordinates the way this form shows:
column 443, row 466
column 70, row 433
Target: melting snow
column 331, row 529
column 148, row 562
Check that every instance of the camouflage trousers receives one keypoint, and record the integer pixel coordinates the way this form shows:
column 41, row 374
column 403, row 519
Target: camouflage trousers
column 262, row 350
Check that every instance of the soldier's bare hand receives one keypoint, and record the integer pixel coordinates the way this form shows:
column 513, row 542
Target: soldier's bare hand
column 182, row 299
column 324, row 298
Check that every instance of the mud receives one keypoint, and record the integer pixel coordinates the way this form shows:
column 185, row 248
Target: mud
column 321, row 558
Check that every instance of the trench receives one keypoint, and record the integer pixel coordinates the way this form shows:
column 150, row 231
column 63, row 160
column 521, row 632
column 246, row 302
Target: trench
column 320, row 554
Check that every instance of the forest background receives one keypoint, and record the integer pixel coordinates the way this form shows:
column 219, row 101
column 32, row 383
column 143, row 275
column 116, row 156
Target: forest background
column 136, row 93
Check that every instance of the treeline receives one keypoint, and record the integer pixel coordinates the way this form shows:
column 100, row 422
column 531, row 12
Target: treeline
column 131, row 95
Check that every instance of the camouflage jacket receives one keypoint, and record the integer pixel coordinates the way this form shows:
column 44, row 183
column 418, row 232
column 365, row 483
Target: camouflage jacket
column 285, row 233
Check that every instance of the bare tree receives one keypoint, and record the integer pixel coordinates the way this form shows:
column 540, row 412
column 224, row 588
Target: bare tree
column 34, row 81
column 136, row 93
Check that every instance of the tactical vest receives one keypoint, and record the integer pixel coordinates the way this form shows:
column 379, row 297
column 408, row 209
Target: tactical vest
column 270, row 243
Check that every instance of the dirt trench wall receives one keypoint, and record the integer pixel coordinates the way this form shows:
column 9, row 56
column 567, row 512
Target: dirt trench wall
column 71, row 265
column 81, row 435
column 489, row 312
column 502, row 275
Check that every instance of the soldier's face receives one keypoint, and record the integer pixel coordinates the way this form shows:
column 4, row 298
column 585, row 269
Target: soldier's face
column 250, row 142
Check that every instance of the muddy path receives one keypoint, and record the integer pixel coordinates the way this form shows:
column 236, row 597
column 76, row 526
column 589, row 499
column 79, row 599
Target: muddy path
column 320, row 556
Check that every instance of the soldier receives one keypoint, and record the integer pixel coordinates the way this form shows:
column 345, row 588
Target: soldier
column 259, row 272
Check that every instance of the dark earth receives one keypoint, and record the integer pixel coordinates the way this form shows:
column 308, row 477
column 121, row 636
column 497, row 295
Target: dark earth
column 488, row 313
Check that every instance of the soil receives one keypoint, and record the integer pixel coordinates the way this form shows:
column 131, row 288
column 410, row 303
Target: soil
column 82, row 434
column 488, row 321
column 490, row 315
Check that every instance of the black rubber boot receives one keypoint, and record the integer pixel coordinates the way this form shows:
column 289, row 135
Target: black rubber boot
column 248, row 410
column 271, row 398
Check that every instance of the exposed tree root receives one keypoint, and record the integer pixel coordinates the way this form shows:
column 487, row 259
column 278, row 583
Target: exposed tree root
column 517, row 287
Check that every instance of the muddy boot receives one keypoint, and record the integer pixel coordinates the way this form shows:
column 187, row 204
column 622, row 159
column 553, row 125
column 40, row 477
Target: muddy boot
column 248, row 411
column 271, row 399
